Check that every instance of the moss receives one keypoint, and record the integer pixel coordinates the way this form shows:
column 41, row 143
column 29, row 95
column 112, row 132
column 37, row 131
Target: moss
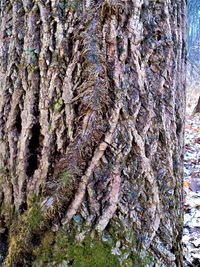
column 117, row 247
column 91, row 252
column 106, row 251
column 44, row 252
column 7, row 210
column 88, row 253
column 14, row 246
column 18, row 245
column 119, row 232
column 64, row 179
column 60, row 247
column 52, row 250
column 23, row 233
column 57, row 104
column 34, row 217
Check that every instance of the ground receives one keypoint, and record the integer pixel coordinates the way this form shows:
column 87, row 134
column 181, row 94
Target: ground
column 191, row 234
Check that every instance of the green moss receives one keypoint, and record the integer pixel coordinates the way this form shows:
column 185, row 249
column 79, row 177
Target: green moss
column 7, row 210
column 60, row 247
column 23, row 232
column 92, row 252
column 34, row 217
column 88, row 253
column 96, row 251
column 57, row 104
column 52, row 250
column 115, row 248
column 29, row 222
column 44, row 252
column 64, row 179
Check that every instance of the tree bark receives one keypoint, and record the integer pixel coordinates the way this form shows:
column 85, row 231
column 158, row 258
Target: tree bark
column 92, row 106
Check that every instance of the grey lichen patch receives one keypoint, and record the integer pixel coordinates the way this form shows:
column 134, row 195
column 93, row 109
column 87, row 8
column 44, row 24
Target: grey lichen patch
column 31, row 55
column 75, row 5
column 30, row 52
column 78, row 219
column 124, row 243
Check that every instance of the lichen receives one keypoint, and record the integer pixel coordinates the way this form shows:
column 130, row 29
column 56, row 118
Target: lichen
column 75, row 5
column 126, row 245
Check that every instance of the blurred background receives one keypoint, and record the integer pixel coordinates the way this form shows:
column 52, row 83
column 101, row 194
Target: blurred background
column 193, row 55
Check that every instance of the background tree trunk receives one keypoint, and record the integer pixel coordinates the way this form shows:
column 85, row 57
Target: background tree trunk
column 193, row 42
column 193, row 55
column 91, row 126
column 197, row 107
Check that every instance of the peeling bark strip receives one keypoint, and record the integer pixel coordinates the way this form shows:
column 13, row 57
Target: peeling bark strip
column 114, row 198
column 98, row 154
column 92, row 106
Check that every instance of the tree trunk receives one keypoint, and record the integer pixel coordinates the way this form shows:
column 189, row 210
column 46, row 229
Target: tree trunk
column 91, row 126
column 197, row 107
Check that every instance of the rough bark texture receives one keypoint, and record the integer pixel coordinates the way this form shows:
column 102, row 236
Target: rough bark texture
column 91, row 124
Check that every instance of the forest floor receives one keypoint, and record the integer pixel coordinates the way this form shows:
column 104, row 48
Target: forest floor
column 191, row 233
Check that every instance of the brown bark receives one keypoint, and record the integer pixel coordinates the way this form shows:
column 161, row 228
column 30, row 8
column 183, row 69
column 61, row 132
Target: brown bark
column 91, row 120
